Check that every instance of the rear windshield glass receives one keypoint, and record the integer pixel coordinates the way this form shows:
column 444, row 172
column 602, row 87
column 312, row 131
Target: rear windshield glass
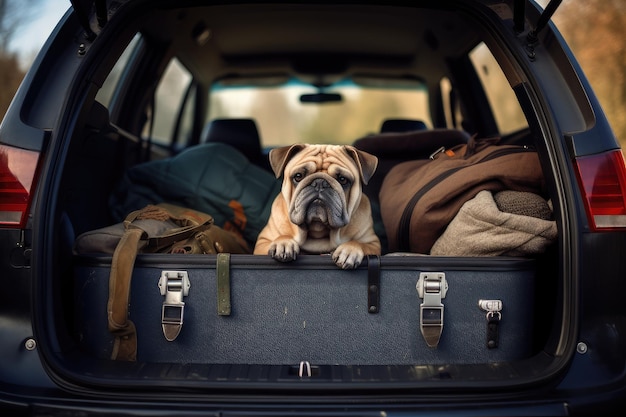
column 299, row 112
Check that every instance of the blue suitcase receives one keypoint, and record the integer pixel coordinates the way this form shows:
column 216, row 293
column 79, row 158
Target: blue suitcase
column 252, row 310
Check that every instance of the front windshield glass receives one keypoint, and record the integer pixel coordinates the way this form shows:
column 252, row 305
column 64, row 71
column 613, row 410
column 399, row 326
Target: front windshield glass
column 282, row 118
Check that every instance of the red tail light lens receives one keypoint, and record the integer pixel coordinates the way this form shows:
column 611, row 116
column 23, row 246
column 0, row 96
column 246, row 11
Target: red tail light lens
column 17, row 174
column 602, row 178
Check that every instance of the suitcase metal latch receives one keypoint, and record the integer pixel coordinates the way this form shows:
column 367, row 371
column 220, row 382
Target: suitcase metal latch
column 432, row 288
column 494, row 315
column 174, row 285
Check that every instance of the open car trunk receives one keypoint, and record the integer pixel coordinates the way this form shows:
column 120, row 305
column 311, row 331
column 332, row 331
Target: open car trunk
column 242, row 321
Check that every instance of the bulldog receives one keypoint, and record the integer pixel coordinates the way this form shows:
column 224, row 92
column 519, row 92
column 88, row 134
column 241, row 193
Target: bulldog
column 321, row 207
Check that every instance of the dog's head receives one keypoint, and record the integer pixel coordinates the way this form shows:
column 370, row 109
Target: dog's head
column 322, row 183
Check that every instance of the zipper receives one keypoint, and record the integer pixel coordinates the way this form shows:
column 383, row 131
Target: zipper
column 405, row 219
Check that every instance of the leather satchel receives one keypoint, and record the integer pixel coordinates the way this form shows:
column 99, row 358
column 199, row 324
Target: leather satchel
column 162, row 228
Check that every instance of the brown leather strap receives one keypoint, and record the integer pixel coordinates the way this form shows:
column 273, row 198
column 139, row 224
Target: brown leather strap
column 125, row 344
column 157, row 243
column 125, row 347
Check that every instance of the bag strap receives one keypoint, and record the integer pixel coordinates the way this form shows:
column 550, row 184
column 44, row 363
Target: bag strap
column 158, row 243
column 125, row 344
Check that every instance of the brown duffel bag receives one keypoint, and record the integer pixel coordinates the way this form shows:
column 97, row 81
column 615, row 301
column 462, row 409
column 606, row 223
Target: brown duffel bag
column 420, row 198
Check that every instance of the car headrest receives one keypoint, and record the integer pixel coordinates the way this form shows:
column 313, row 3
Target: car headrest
column 242, row 134
column 410, row 145
column 402, row 125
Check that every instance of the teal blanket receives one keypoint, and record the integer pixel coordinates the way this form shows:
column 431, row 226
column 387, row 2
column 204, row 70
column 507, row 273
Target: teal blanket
column 213, row 178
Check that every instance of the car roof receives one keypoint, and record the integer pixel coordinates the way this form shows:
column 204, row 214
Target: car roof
column 311, row 39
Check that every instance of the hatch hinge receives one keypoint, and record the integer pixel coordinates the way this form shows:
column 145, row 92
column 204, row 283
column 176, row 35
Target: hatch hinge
column 533, row 36
column 83, row 9
column 101, row 12
column 519, row 15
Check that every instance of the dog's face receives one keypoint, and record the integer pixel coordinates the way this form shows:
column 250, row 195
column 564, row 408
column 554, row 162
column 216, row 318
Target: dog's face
column 322, row 183
column 321, row 208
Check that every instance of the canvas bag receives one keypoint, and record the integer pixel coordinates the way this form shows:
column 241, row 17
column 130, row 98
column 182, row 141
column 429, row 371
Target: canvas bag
column 420, row 198
column 162, row 228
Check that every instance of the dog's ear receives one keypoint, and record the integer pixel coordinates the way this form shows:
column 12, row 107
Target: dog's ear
column 280, row 156
column 366, row 162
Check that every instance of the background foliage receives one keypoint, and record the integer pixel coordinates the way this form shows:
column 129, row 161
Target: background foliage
column 12, row 15
column 596, row 32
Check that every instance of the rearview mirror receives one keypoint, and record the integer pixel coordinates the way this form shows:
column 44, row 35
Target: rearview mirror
column 321, row 98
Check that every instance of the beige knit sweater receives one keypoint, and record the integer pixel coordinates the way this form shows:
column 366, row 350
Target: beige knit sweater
column 482, row 229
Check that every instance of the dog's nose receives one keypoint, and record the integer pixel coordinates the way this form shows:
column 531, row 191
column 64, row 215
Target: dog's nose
column 319, row 184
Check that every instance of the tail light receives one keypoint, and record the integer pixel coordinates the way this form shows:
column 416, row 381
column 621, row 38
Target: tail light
column 18, row 169
column 602, row 179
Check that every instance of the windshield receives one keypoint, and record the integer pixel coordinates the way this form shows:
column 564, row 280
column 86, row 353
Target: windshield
column 283, row 117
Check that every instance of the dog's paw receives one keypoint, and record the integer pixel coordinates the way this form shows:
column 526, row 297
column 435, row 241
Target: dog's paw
column 284, row 250
column 348, row 255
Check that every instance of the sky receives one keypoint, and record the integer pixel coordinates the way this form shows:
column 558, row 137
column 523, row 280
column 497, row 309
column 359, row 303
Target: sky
column 32, row 34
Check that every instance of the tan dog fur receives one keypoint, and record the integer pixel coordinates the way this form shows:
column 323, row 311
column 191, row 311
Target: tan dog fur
column 321, row 207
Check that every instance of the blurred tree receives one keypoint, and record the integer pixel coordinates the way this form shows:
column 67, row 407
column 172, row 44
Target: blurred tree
column 12, row 15
column 10, row 78
column 596, row 32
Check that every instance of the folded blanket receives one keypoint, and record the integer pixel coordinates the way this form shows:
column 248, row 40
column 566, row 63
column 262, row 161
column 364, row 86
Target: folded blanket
column 482, row 229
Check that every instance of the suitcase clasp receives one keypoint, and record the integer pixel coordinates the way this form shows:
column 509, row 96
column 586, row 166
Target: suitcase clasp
column 432, row 288
column 494, row 315
column 174, row 285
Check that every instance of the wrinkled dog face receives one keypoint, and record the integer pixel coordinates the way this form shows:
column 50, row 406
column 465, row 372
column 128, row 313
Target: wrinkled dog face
column 321, row 208
column 322, row 186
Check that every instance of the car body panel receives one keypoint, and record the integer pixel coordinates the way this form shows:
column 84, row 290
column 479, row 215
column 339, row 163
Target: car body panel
column 581, row 371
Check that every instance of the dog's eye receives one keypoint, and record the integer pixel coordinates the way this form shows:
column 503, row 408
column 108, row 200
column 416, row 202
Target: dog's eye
column 343, row 180
column 297, row 177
